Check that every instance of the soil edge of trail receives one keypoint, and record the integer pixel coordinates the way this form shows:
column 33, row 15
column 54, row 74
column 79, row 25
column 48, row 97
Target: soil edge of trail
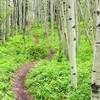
column 19, row 80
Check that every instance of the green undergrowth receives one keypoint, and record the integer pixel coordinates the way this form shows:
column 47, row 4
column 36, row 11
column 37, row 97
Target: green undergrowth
column 13, row 54
column 37, row 52
column 50, row 80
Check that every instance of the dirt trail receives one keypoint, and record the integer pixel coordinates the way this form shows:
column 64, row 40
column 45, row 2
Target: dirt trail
column 18, row 83
column 20, row 76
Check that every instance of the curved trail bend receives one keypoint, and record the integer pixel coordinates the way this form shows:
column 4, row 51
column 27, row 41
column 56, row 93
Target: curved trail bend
column 18, row 83
column 20, row 76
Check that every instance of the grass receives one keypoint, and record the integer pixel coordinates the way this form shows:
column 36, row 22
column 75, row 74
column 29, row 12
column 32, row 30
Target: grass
column 12, row 56
column 50, row 80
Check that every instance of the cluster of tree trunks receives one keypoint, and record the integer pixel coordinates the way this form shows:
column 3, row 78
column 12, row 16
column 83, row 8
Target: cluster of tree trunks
column 16, row 16
column 66, row 14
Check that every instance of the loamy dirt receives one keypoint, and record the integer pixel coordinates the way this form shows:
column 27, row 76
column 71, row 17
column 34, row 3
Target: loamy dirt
column 19, row 78
column 18, row 82
column 37, row 40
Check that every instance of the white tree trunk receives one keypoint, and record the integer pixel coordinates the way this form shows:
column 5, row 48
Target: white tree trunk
column 52, row 16
column 96, row 66
column 72, row 36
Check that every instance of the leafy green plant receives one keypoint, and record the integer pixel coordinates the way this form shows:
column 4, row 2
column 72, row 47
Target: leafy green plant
column 51, row 80
column 37, row 52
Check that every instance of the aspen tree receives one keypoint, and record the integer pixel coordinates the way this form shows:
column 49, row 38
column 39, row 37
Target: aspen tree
column 45, row 19
column 59, row 31
column 1, row 9
column 23, row 20
column 96, row 65
column 77, row 20
column 4, row 23
column 19, row 7
column 52, row 16
column 64, row 28
column 7, row 20
column 72, row 43
column 15, row 16
column 38, row 11
column 9, row 17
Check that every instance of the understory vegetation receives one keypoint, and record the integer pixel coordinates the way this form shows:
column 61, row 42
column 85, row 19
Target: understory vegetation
column 49, row 49
column 50, row 79
column 14, row 55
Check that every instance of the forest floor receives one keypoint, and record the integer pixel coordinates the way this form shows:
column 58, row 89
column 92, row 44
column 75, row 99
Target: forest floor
column 19, row 78
column 50, row 79
column 19, row 86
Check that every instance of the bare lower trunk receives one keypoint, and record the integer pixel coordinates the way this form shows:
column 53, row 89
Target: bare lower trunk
column 96, row 65
column 72, row 38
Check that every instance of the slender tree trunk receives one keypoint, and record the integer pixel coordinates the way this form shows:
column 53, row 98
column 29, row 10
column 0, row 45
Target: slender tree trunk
column 72, row 46
column 52, row 17
column 59, row 32
column 45, row 19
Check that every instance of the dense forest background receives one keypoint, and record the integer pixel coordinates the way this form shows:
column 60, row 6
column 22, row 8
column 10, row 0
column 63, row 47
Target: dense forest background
column 49, row 49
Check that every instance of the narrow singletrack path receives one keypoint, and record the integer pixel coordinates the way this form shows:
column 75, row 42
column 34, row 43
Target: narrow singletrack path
column 18, row 82
column 20, row 76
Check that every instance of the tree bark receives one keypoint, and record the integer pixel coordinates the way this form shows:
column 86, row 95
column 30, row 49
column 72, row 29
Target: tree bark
column 96, row 65
column 72, row 38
